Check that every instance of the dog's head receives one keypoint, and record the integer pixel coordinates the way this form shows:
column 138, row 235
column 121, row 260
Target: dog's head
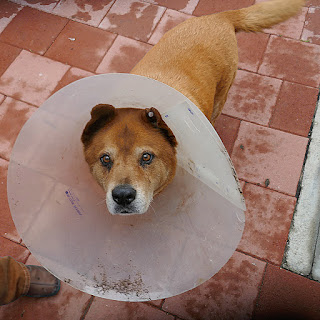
column 132, row 155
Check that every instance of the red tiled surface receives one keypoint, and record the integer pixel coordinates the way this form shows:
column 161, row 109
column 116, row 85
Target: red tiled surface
column 292, row 61
column 7, row 227
column 7, row 55
column 266, row 240
column 264, row 127
column 252, row 97
column 251, row 47
column 33, row 30
column 133, row 19
column 89, row 12
column 311, row 31
column 72, row 75
column 124, row 54
column 35, row 84
column 13, row 115
column 102, row 309
column 294, row 108
column 8, row 11
column 230, row 294
column 81, row 46
column 227, row 129
column 207, row 6
column 14, row 250
column 186, row 6
column 170, row 19
column 262, row 153
column 285, row 295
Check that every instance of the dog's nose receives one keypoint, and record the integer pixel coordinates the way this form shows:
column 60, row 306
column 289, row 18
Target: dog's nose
column 123, row 194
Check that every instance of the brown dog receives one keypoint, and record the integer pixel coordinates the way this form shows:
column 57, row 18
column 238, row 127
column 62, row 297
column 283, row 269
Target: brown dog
column 131, row 152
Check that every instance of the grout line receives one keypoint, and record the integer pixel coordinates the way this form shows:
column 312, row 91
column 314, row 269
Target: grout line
column 257, row 299
column 157, row 24
column 304, row 23
column 273, row 111
column 114, row 1
column 87, row 307
column 258, row 258
column 264, row 52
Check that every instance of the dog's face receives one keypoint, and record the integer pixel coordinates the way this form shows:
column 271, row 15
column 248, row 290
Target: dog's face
column 131, row 153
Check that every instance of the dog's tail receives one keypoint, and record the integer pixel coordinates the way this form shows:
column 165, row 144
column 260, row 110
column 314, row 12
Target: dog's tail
column 263, row 15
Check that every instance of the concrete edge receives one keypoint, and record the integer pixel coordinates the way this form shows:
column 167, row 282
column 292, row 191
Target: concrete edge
column 303, row 235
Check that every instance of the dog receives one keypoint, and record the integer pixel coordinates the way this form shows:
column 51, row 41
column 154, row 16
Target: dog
column 132, row 152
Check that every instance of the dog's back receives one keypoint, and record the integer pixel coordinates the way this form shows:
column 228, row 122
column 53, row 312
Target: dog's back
column 199, row 57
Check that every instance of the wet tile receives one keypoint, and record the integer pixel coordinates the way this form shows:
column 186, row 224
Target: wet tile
column 311, row 31
column 230, row 294
column 89, row 12
column 43, row 5
column 32, row 78
column 7, row 55
column 157, row 303
column 170, row 19
column 294, row 108
column 227, row 129
column 7, row 227
column 313, row 3
column 102, row 309
column 81, row 46
column 33, row 30
column 292, row 60
column 251, row 47
column 72, row 75
column 208, row 6
column 124, row 54
column 285, row 295
column 8, row 11
column 68, row 304
column 13, row 115
column 262, row 153
column 186, row 6
column 14, row 250
column 133, row 19
column 268, row 219
column 291, row 28
column 252, row 97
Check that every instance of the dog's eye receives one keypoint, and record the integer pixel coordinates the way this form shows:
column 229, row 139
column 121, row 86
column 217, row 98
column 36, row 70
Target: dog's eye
column 146, row 158
column 106, row 160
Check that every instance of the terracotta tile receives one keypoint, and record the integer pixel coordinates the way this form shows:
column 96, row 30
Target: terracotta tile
column 252, row 97
column 8, row 11
column 170, row 19
column 7, row 55
column 294, row 108
column 227, row 129
column 33, row 30
column 89, row 12
column 81, row 46
column 209, row 6
column 43, row 5
column 68, row 304
column 262, row 153
column 156, row 303
column 311, row 31
column 31, row 78
column 268, row 219
column 102, row 309
column 291, row 28
column 133, row 19
column 285, row 295
column 292, row 60
column 14, row 250
column 230, row 294
column 124, row 54
column 251, row 47
column 72, row 75
column 7, row 227
column 313, row 3
column 13, row 115
column 186, row 6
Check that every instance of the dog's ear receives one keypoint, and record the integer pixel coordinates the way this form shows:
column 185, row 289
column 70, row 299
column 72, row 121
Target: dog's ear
column 153, row 117
column 101, row 114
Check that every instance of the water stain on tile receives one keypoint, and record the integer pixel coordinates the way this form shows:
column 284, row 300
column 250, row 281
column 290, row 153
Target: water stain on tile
column 7, row 10
column 84, row 16
column 42, row 2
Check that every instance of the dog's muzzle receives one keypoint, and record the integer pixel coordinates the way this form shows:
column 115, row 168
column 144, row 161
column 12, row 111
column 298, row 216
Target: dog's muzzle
column 123, row 195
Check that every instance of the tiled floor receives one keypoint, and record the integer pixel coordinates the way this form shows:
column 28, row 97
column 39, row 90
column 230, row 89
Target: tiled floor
column 44, row 45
